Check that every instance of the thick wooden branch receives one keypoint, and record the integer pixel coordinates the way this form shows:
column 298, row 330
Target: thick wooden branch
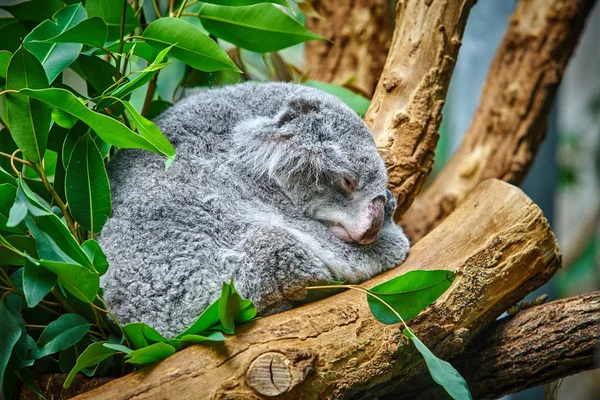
column 406, row 110
column 360, row 33
column 511, row 119
column 536, row 346
column 498, row 242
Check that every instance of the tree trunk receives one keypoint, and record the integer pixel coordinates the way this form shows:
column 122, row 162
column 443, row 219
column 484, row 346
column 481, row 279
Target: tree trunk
column 536, row 346
column 511, row 119
column 406, row 110
column 360, row 33
column 497, row 241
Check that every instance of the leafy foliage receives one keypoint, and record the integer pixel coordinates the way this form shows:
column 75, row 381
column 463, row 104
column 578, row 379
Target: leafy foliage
column 85, row 82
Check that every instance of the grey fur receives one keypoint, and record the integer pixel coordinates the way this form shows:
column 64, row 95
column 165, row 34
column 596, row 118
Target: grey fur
column 250, row 195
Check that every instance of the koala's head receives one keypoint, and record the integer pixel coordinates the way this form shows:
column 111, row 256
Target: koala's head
column 324, row 158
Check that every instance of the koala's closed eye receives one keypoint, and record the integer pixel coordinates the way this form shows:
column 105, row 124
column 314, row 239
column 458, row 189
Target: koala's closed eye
column 297, row 108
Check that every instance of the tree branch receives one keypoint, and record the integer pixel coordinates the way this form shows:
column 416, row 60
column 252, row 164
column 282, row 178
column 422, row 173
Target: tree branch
column 536, row 346
column 498, row 242
column 511, row 119
column 360, row 33
column 406, row 110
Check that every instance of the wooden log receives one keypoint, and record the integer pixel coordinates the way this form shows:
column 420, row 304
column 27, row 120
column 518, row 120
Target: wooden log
column 497, row 241
column 360, row 33
column 511, row 119
column 406, row 109
column 534, row 347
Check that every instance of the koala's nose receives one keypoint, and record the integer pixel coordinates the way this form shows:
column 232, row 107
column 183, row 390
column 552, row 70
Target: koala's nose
column 376, row 214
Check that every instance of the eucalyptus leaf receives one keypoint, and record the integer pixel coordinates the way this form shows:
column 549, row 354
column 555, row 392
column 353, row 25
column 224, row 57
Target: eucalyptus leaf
column 141, row 335
column 153, row 353
column 55, row 57
column 79, row 281
column 245, row 2
column 109, row 130
column 441, row 371
column 261, row 28
column 63, row 119
column 61, row 334
column 96, row 72
column 149, row 131
column 9, row 335
column 92, row 32
column 21, row 207
column 110, row 11
column 7, row 200
column 118, row 347
column 92, row 355
column 11, row 32
column 22, row 243
column 37, row 283
column 190, row 44
column 29, row 120
column 86, row 186
column 5, row 57
column 96, row 256
column 408, row 294
column 209, row 337
column 34, row 10
column 209, row 318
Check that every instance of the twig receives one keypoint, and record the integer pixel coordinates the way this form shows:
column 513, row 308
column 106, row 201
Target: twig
column 156, row 10
column 4, row 124
column 183, row 3
column 171, row 7
column 15, row 158
column 149, row 94
column 121, row 41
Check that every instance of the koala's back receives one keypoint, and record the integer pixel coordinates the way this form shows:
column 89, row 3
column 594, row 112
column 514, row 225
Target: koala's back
column 171, row 229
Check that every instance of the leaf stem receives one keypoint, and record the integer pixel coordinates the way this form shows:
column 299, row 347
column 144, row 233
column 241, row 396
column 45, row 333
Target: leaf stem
column 363, row 290
column 7, row 280
column 4, row 124
column 57, row 199
column 15, row 158
column 121, row 41
column 171, row 7
column 183, row 5
column 191, row 3
column 156, row 10
column 2, row 93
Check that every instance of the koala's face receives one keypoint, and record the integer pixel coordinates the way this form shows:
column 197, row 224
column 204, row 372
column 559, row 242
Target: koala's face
column 324, row 158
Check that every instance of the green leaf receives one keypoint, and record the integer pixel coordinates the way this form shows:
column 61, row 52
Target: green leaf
column 28, row 119
column 61, row 334
column 244, row 2
column 157, row 107
column 118, row 347
column 9, row 335
column 109, row 130
column 210, row 337
column 141, row 335
column 87, row 187
column 7, row 199
column 110, row 11
column 261, row 28
column 153, row 353
column 23, row 244
column 96, row 72
column 358, row 103
column 140, row 80
column 190, row 45
column 149, row 131
column 441, row 371
column 96, row 256
column 34, row 10
column 37, row 283
column 21, row 207
column 92, row 32
column 79, row 281
column 206, row 320
column 140, row 49
column 5, row 57
column 11, row 32
column 94, row 354
column 55, row 57
column 63, row 119
column 229, row 306
column 409, row 294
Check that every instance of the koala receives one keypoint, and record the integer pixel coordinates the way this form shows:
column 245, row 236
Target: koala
column 275, row 185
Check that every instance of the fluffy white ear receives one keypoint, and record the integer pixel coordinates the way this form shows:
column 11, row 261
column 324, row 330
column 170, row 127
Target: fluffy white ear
column 265, row 146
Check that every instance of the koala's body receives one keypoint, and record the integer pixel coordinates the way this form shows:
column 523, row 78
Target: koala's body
column 276, row 185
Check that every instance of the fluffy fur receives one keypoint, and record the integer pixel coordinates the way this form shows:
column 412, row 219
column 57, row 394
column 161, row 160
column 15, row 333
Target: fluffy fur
column 252, row 195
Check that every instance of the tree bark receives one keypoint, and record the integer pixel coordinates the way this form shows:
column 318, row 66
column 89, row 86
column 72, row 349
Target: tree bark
column 360, row 32
column 406, row 110
column 536, row 346
column 499, row 244
column 511, row 119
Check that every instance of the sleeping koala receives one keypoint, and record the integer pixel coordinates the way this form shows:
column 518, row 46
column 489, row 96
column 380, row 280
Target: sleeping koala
column 276, row 185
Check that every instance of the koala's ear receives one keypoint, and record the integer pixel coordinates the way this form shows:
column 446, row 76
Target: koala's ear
column 296, row 108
